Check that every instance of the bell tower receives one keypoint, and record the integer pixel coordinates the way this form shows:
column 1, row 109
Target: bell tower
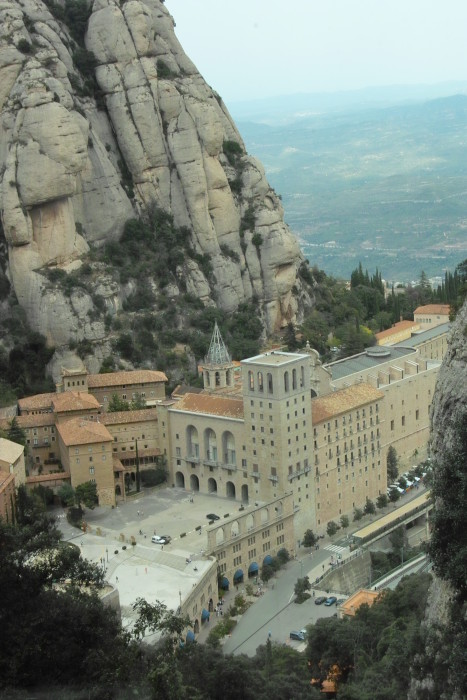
column 218, row 368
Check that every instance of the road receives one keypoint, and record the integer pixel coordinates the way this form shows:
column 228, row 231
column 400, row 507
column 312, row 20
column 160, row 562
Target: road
column 276, row 612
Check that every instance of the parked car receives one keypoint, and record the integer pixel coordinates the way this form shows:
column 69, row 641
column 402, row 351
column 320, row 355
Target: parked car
column 161, row 539
column 320, row 600
column 212, row 516
column 331, row 600
column 339, row 601
column 299, row 636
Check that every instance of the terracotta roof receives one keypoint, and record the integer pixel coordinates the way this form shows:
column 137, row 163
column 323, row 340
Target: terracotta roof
column 78, row 431
column 342, row 401
column 117, row 417
column 442, row 309
column 10, row 451
column 74, row 401
column 210, row 404
column 35, row 420
column 31, row 403
column 136, row 376
column 47, row 477
column 357, row 599
column 397, row 328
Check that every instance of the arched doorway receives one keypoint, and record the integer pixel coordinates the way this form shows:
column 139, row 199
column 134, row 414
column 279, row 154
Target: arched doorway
column 253, row 570
column 212, row 485
column 180, row 479
column 196, row 627
column 245, row 493
column 118, row 490
column 194, row 482
column 238, row 577
column 230, row 489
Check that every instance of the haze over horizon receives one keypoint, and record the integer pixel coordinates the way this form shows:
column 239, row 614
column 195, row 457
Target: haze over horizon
column 254, row 49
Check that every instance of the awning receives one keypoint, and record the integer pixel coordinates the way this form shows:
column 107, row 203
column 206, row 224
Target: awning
column 190, row 636
column 253, row 568
column 267, row 559
column 225, row 584
column 238, row 575
column 205, row 614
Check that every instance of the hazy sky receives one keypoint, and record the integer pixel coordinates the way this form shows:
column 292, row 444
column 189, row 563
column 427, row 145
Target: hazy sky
column 262, row 48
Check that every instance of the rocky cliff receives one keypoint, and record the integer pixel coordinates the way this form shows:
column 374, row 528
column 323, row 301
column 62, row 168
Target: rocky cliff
column 103, row 118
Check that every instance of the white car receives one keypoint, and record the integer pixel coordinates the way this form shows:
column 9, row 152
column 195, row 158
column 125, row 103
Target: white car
column 160, row 539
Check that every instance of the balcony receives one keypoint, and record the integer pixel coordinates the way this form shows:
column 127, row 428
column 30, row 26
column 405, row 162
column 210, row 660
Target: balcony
column 192, row 458
column 210, row 462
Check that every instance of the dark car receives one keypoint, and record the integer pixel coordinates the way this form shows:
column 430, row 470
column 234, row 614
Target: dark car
column 320, row 600
column 299, row 636
column 339, row 601
column 331, row 600
column 212, row 516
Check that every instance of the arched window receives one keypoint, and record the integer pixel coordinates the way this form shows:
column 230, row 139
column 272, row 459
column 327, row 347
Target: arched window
column 270, row 384
column 228, row 444
column 218, row 379
column 251, row 380
column 260, row 381
column 207, row 379
column 210, row 444
column 192, row 442
column 302, row 376
column 286, row 381
column 294, row 379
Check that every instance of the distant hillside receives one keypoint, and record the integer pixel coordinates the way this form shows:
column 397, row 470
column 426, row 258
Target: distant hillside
column 386, row 186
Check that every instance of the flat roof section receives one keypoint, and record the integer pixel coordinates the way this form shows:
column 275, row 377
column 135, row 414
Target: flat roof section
column 425, row 336
column 275, row 357
column 365, row 361
column 391, row 518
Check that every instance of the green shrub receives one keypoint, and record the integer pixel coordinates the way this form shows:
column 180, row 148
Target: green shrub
column 24, row 46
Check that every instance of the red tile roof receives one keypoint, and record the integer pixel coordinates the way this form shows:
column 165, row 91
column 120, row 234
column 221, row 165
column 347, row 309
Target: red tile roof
column 114, row 418
column 442, row 309
column 78, row 431
column 342, row 401
column 74, row 401
column 210, row 404
column 137, row 376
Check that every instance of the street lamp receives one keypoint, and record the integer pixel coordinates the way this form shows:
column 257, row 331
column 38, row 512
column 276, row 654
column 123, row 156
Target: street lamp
column 301, row 565
column 107, row 552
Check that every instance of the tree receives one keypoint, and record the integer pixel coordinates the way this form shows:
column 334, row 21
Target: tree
column 117, row 404
column 66, row 494
column 267, row 572
column 382, row 500
column 86, row 493
column 309, row 539
column 137, row 403
column 369, row 507
column 393, row 495
column 357, row 514
column 290, row 337
column 301, row 589
column 392, row 465
column 331, row 528
column 344, row 521
column 15, row 433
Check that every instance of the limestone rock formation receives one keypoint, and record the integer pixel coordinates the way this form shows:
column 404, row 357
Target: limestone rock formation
column 78, row 158
column 450, row 400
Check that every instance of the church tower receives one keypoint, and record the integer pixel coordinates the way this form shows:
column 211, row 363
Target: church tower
column 218, row 368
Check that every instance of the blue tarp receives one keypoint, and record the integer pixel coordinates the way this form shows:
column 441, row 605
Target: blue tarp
column 267, row 559
column 225, row 584
column 190, row 636
column 253, row 568
column 205, row 614
column 238, row 574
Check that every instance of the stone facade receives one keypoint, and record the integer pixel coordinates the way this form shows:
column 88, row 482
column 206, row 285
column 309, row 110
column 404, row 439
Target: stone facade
column 243, row 542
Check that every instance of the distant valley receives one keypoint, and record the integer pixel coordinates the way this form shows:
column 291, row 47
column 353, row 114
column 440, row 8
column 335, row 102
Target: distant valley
column 385, row 185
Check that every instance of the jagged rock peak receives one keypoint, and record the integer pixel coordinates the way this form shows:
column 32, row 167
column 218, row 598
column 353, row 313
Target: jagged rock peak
column 91, row 137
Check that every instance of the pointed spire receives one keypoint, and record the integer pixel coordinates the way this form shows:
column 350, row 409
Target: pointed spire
column 217, row 353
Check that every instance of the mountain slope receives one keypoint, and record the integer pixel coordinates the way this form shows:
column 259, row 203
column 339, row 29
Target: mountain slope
column 104, row 119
